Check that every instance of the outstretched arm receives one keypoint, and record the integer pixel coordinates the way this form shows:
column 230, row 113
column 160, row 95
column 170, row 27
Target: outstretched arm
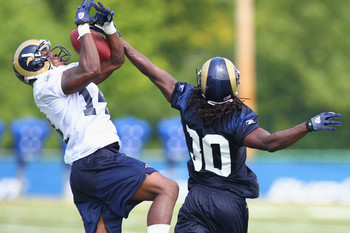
column 76, row 78
column 162, row 79
column 88, row 70
column 263, row 140
column 116, row 59
column 104, row 17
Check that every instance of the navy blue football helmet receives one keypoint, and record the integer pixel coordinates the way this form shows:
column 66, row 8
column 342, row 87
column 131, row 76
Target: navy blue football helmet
column 218, row 80
column 29, row 60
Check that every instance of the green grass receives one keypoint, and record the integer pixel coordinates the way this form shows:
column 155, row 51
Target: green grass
column 268, row 217
column 57, row 216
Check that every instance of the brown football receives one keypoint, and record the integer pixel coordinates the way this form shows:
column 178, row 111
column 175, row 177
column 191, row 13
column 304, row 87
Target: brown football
column 101, row 43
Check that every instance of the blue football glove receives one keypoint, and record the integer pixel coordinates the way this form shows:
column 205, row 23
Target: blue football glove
column 322, row 121
column 82, row 15
column 103, row 14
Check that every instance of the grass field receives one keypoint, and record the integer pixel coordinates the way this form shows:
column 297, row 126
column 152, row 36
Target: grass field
column 57, row 216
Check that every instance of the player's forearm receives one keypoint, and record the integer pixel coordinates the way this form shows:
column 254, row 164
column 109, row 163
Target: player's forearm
column 283, row 139
column 117, row 49
column 89, row 59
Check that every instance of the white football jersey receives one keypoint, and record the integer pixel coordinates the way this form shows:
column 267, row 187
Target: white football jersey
column 81, row 118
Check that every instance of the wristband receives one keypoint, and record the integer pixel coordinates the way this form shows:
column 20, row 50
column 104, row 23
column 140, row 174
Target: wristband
column 309, row 126
column 83, row 29
column 108, row 28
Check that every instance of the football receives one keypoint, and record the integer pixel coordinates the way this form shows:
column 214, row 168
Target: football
column 100, row 41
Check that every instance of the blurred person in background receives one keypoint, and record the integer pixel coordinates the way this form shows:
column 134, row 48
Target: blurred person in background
column 218, row 127
column 106, row 184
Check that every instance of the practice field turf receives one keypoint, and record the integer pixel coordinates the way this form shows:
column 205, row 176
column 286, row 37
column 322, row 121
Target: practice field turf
column 57, row 216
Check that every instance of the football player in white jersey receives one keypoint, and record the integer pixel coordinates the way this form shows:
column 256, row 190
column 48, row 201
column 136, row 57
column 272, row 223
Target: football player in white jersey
column 106, row 184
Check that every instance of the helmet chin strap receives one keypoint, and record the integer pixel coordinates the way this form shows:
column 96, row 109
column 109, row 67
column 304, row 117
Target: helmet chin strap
column 213, row 103
column 28, row 79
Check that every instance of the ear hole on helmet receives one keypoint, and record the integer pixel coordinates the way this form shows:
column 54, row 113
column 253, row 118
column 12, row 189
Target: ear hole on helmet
column 38, row 64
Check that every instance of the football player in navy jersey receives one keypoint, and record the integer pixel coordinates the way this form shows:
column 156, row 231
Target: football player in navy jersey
column 218, row 127
column 106, row 184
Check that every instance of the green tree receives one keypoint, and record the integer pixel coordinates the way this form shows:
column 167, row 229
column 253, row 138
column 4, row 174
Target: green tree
column 302, row 65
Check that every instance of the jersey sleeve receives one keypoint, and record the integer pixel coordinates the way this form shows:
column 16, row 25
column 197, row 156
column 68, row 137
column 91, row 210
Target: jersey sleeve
column 48, row 86
column 180, row 95
column 245, row 123
column 48, row 93
column 54, row 86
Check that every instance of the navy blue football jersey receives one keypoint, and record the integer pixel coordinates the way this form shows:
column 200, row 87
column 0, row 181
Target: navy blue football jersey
column 217, row 153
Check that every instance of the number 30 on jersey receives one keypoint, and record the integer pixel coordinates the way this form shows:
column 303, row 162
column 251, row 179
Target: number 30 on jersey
column 216, row 153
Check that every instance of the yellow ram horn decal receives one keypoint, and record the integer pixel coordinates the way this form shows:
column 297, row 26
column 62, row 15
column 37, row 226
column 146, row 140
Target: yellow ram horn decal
column 29, row 60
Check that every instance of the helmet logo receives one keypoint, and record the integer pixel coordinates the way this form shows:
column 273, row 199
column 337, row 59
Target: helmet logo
column 227, row 97
column 31, row 58
column 318, row 120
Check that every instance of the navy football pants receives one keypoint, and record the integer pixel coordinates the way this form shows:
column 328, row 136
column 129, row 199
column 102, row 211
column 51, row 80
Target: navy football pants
column 212, row 211
column 103, row 182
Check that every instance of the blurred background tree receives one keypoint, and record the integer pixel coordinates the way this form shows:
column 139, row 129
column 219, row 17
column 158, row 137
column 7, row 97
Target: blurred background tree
column 302, row 63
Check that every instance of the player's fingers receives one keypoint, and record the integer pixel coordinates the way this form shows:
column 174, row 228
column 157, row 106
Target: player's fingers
column 333, row 115
column 330, row 128
column 96, row 7
column 334, row 122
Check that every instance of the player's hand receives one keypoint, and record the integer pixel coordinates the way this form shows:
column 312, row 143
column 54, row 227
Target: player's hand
column 103, row 14
column 82, row 15
column 322, row 121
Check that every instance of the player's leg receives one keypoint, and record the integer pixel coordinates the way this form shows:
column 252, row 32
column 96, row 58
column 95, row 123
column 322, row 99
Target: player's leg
column 113, row 184
column 193, row 216
column 101, row 228
column 114, row 223
column 163, row 192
